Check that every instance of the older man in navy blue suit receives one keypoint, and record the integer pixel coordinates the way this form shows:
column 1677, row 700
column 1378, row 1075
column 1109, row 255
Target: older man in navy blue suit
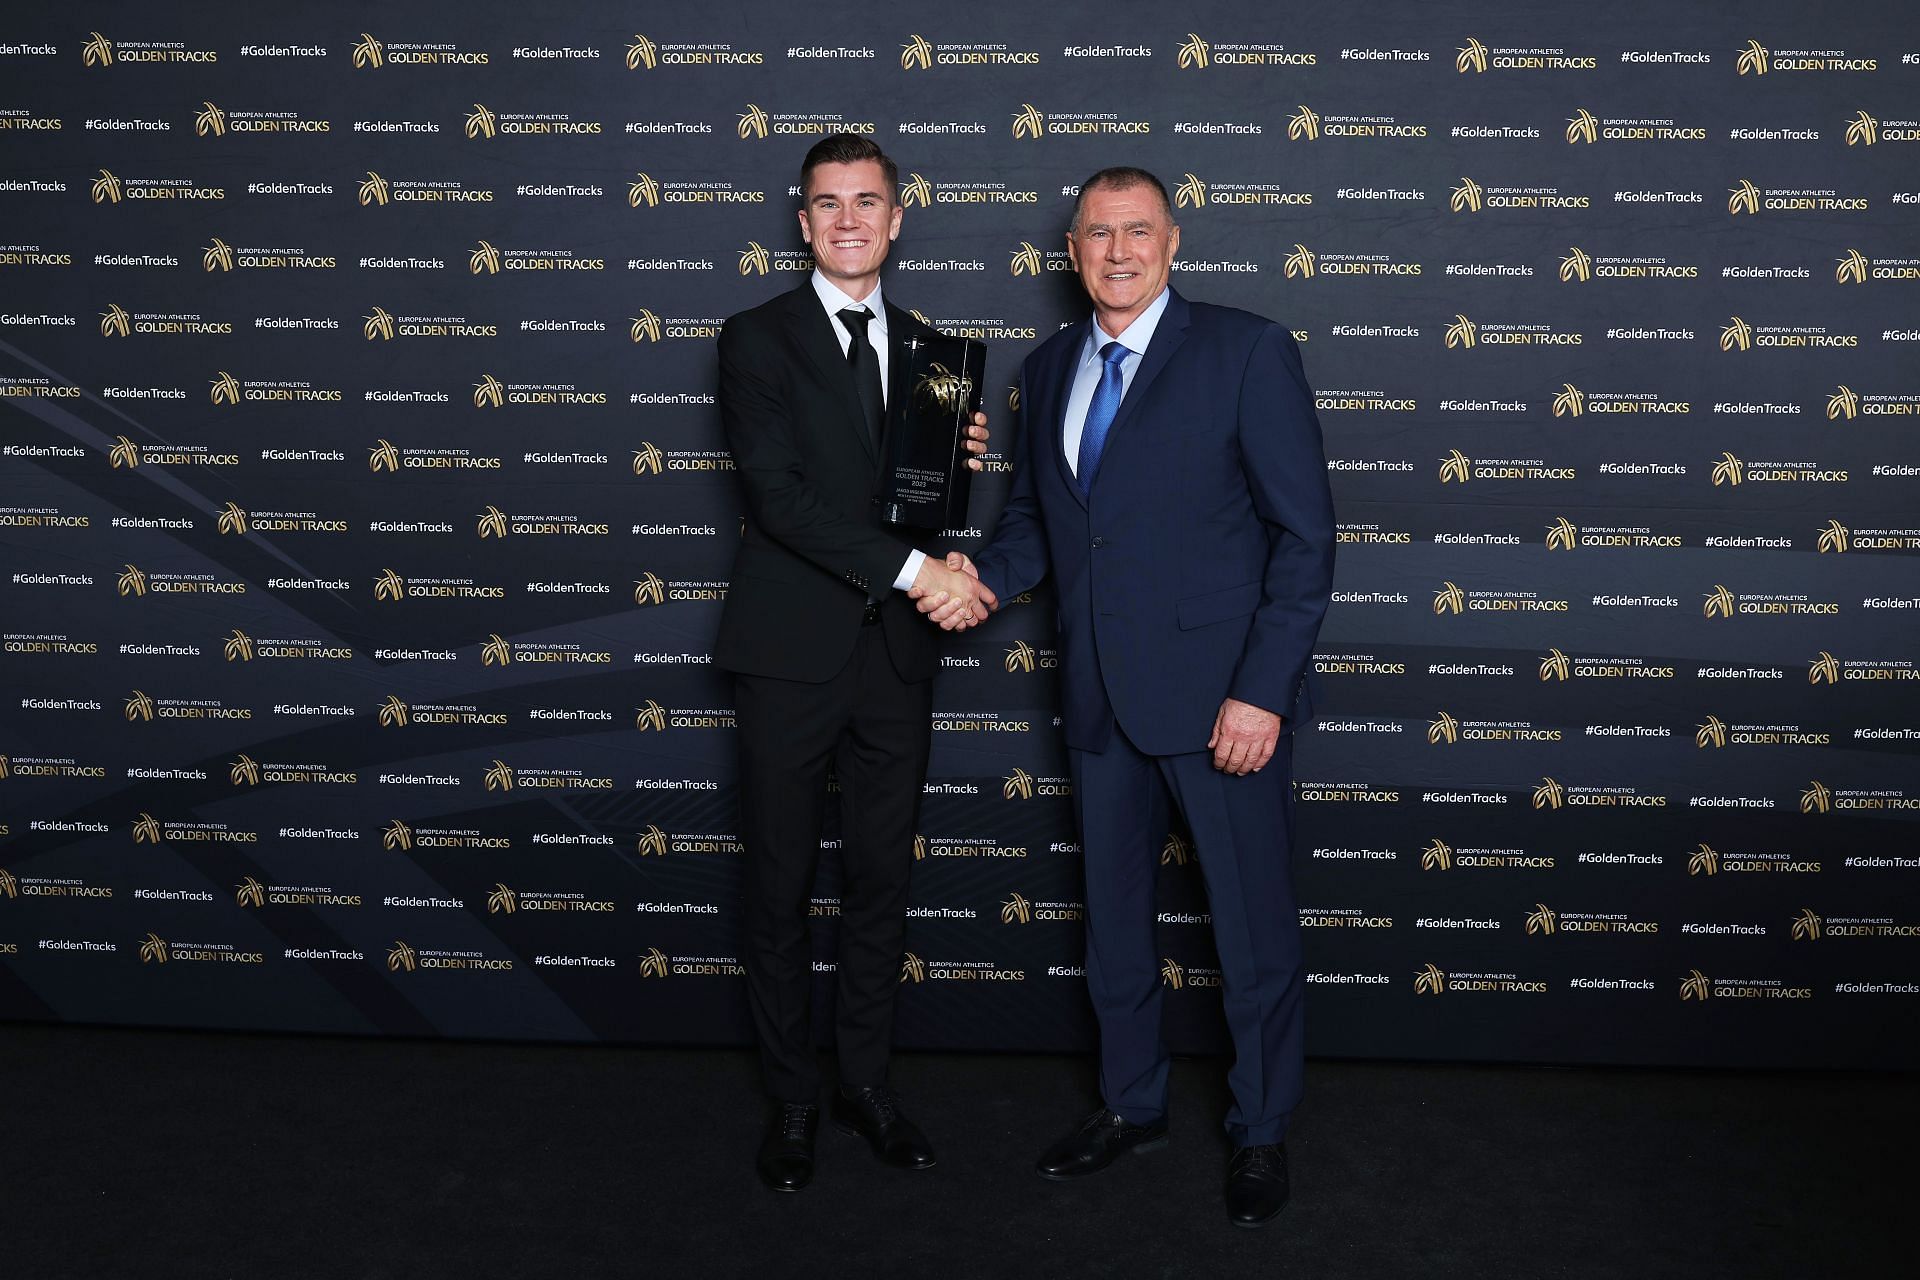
column 1172, row 481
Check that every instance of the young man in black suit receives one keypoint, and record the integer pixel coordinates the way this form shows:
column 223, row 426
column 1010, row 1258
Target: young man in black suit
column 832, row 666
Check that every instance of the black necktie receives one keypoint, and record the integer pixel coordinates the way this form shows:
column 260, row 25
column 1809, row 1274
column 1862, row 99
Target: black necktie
column 865, row 363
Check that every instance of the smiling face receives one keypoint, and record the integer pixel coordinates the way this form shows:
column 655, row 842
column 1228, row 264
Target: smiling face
column 1123, row 248
column 849, row 220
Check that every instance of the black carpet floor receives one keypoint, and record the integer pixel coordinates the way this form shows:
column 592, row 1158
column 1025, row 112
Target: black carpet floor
column 147, row 1154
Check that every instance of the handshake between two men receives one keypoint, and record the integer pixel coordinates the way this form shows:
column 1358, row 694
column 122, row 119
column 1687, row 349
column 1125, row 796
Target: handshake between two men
column 951, row 593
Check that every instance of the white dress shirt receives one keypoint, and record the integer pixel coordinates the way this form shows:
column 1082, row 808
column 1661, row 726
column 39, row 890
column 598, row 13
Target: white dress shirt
column 1086, row 377
column 835, row 302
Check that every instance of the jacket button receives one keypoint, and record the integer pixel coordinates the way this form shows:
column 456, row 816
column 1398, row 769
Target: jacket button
column 1099, row 542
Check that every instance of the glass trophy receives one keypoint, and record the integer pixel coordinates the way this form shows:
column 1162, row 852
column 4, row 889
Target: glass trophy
column 927, row 481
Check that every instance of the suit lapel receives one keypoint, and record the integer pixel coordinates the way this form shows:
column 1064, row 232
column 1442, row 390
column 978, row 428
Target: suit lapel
column 1168, row 335
column 813, row 334
column 1054, row 394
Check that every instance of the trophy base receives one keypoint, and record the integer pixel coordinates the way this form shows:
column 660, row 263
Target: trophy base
column 923, row 517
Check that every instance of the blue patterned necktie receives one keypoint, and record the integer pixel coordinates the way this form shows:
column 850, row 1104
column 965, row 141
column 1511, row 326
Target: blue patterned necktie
column 1100, row 413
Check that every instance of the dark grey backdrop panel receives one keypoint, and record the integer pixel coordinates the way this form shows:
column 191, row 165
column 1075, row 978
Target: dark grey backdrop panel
column 365, row 513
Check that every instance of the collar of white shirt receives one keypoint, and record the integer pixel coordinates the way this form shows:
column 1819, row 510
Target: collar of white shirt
column 1135, row 337
column 835, row 302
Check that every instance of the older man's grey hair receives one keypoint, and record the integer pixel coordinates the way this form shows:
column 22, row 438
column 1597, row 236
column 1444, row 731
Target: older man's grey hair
column 1122, row 177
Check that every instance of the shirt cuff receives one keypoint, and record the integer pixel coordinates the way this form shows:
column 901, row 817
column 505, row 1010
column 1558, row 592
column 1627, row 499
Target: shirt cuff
column 910, row 570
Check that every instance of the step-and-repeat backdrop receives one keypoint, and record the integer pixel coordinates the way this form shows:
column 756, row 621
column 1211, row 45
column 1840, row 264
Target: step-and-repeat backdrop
column 366, row 519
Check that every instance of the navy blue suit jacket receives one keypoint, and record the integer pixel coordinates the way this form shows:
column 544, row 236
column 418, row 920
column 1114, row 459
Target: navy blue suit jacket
column 1201, row 564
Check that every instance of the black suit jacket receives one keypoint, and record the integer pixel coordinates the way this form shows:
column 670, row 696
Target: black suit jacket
column 813, row 549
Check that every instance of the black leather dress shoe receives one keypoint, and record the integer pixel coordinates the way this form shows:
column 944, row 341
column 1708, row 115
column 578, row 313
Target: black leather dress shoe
column 786, row 1153
column 1257, row 1184
column 873, row 1113
column 1099, row 1140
